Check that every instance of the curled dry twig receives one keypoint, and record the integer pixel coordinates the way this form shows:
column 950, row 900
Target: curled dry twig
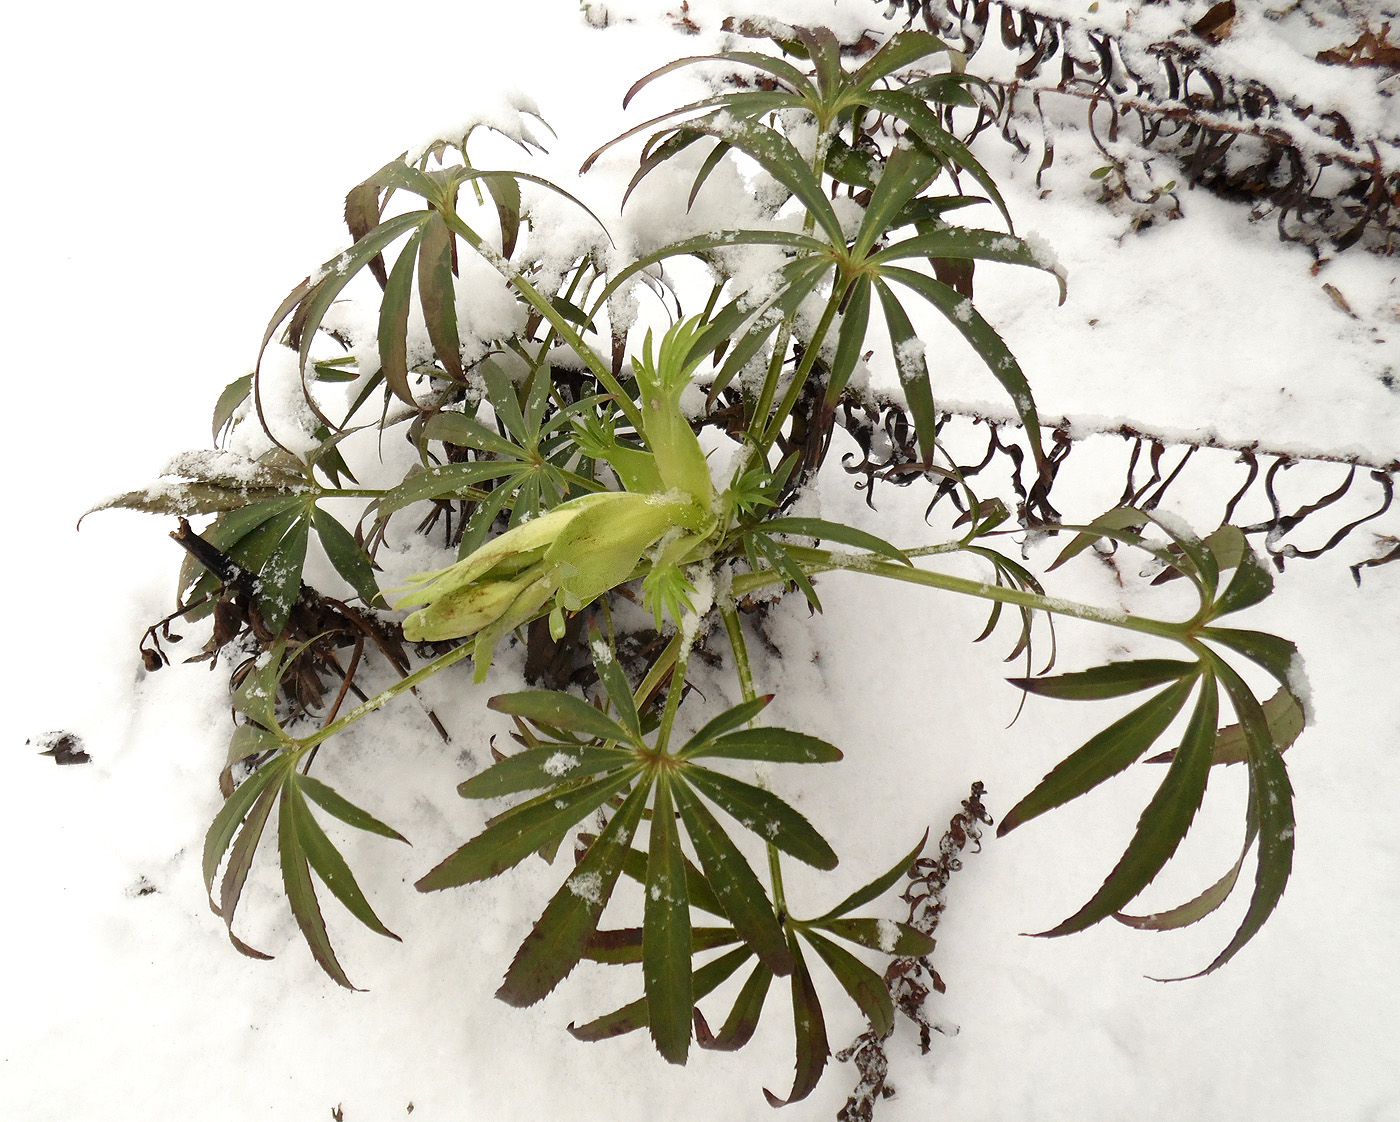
column 911, row 980
column 1320, row 173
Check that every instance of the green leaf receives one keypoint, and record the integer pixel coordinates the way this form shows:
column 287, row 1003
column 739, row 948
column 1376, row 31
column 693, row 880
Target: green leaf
column 1286, row 720
column 332, row 802
column 361, row 217
column 810, row 1026
column 232, row 814
column 1103, row 756
column 984, row 340
column 279, row 579
column 393, row 321
column 615, row 683
column 1113, row 679
column 866, row 988
column 234, row 395
column 1278, row 656
column 505, row 192
column 515, row 835
column 557, row 942
column 745, row 903
column 557, row 710
column 732, row 718
column 547, row 766
column 926, row 125
column 702, row 896
column 836, row 532
column 250, row 740
column 624, row 946
column 1271, row 798
column 964, row 244
column 782, row 563
column 907, row 171
column 451, row 481
column 765, row 814
column 912, row 368
column 349, row 559
column 301, row 894
column 771, row 744
column 437, row 294
column 1251, row 583
column 739, row 1026
column 777, row 156
column 335, row 274
column 1165, row 821
column 325, row 859
column 666, row 932
column 900, row 50
column 1112, row 523
column 884, row 935
column 468, row 432
column 850, row 339
column 634, row 1015
column 877, row 887
column 1195, row 909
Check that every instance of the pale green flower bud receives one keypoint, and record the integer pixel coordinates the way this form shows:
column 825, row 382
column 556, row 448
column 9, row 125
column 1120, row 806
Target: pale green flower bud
column 573, row 554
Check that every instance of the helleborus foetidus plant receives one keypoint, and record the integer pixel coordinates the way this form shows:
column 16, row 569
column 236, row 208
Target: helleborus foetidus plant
column 560, row 456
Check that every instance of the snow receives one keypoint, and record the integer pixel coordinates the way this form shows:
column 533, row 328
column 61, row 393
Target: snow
column 208, row 197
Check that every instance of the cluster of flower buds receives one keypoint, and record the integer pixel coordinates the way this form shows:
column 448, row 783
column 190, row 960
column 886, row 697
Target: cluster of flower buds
column 570, row 555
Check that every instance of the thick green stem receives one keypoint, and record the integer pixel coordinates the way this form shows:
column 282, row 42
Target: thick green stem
column 730, row 614
column 673, row 697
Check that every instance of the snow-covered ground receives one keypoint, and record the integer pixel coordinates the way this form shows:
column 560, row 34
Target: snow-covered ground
column 172, row 172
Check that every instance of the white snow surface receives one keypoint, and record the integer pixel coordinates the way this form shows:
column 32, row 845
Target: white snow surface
column 207, row 152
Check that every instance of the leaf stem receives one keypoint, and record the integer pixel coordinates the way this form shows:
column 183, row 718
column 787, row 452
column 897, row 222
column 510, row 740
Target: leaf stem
column 822, row 561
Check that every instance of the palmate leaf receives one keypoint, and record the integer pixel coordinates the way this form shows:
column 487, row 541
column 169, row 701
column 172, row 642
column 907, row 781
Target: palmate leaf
column 1165, row 821
column 560, row 937
column 302, row 846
